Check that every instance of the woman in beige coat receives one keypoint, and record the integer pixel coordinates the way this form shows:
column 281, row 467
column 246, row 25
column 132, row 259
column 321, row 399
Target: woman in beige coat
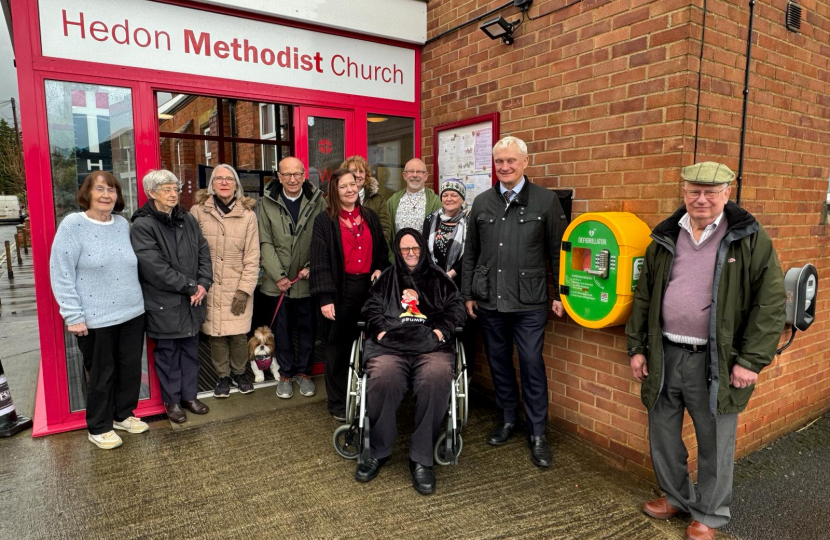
column 229, row 224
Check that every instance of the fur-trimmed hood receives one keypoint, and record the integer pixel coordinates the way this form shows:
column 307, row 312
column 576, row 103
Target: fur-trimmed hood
column 202, row 196
column 371, row 186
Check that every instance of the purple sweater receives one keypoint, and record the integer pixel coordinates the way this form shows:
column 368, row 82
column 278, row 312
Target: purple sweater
column 688, row 296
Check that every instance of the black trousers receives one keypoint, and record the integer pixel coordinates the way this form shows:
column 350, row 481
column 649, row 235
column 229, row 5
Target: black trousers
column 527, row 329
column 295, row 313
column 339, row 347
column 177, row 366
column 112, row 359
column 431, row 376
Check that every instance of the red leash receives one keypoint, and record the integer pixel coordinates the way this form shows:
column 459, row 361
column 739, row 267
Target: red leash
column 274, row 318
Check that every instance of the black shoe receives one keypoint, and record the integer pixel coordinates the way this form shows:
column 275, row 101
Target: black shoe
column 501, row 434
column 175, row 413
column 223, row 388
column 423, row 478
column 242, row 383
column 195, row 406
column 539, row 451
column 366, row 472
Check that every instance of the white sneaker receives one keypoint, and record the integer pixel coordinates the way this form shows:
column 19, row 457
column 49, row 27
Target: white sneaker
column 106, row 441
column 131, row 424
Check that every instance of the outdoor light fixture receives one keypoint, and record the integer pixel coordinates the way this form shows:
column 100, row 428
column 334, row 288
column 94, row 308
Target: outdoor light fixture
column 499, row 28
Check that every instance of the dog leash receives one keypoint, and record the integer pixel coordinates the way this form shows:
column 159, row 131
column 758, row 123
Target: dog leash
column 274, row 318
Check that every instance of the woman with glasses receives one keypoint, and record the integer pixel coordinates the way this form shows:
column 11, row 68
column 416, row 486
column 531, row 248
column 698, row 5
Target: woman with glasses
column 348, row 252
column 368, row 190
column 228, row 222
column 95, row 281
column 175, row 271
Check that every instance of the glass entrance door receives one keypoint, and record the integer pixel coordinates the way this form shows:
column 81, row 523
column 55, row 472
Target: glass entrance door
column 325, row 138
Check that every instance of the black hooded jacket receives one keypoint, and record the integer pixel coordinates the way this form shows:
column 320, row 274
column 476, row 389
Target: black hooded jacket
column 408, row 319
column 173, row 259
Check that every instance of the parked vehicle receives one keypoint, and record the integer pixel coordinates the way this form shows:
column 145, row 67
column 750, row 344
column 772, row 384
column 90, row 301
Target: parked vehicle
column 10, row 209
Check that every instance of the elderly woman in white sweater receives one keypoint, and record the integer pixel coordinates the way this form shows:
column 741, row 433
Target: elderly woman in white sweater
column 94, row 274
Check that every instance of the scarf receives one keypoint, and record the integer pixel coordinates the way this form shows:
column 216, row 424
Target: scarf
column 459, row 234
column 223, row 208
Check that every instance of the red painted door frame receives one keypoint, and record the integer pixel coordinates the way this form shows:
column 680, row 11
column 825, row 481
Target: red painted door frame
column 52, row 414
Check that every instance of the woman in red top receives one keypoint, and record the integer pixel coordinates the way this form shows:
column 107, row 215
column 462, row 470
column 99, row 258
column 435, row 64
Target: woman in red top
column 348, row 252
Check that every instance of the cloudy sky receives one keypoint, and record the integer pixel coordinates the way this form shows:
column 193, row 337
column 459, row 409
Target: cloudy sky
column 8, row 74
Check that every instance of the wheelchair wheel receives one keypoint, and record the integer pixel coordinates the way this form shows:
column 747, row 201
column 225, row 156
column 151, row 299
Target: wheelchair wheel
column 351, row 400
column 440, row 454
column 463, row 399
column 345, row 441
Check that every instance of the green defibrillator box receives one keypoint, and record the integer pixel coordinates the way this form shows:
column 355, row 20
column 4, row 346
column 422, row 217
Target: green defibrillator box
column 599, row 266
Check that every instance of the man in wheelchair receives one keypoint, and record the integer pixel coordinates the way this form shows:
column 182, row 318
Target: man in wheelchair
column 411, row 314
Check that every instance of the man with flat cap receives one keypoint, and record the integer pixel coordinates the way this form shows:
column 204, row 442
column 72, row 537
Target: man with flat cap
column 708, row 314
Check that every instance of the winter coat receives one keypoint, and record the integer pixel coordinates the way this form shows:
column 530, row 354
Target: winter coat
column 505, row 255
column 747, row 314
column 433, row 204
column 173, row 259
column 375, row 202
column 286, row 246
column 409, row 321
column 234, row 250
column 328, row 274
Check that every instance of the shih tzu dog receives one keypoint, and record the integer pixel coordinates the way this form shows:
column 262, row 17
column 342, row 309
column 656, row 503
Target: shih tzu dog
column 261, row 353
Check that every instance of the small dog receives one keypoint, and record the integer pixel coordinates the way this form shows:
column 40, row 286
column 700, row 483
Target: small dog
column 261, row 352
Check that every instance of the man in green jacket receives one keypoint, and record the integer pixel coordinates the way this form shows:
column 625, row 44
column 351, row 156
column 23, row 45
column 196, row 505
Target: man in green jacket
column 708, row 313
column 410, row 206
column 286, row 215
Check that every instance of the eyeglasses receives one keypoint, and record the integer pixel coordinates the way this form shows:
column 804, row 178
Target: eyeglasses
column 295, row 176
column 413, row 250
column 168, row 190
column 419, row 173
column 224, row 179
column 710, row 194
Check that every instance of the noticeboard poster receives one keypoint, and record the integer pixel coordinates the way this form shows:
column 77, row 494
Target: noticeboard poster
column 464, row 151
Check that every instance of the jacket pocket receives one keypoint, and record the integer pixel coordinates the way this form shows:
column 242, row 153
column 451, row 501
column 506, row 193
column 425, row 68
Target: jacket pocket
column 533, row 285
column 163, row 315
column 481, row 283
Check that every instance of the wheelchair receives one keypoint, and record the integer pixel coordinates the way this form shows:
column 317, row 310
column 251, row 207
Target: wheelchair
column 351, row 440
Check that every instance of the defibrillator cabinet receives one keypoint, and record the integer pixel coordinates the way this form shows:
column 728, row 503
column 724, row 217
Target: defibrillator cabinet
column 599, row 266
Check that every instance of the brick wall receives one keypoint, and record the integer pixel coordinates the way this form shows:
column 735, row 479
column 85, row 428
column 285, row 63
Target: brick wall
column 605, row 94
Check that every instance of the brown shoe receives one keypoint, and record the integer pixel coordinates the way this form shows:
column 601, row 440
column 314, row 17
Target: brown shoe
column 661, row 509
column 175, row 413
column 196, row 407
column 698, row 531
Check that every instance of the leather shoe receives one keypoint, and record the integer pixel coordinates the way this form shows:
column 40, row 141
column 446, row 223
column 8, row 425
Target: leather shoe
column 196, row 407
column 661, row 509
column 501, row 434
column 423, row 478
column 175, row 413
column 539, row 451
column 368, row 470
column 698, row 531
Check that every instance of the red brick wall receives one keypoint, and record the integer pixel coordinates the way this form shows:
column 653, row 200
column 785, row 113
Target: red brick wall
column 605, row 94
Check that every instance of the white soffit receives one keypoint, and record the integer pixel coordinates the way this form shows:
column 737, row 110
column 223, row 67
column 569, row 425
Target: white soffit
column 402, row 20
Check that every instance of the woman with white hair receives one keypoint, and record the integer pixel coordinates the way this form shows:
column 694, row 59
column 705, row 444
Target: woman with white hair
column 175, row 272
column 228, row 222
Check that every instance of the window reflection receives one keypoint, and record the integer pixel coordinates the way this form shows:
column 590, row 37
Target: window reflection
column 391, row 144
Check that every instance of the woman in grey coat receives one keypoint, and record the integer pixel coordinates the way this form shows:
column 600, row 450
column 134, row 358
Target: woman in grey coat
column 175, row 271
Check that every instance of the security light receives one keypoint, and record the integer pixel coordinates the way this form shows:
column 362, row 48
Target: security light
column 499, row 28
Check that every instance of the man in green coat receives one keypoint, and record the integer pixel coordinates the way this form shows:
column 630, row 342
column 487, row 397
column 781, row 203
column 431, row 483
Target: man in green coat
column 708, row 314
column 410, row 206
column 286, row 215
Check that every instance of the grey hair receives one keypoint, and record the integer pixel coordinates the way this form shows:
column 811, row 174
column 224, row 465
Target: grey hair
column 240, row 191
column 511, row 141
column 155, row 179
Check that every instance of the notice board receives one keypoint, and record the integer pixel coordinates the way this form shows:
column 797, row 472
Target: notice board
column 464, row 151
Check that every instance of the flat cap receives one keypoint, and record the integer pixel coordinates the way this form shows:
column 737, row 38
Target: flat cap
column 707, row 172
